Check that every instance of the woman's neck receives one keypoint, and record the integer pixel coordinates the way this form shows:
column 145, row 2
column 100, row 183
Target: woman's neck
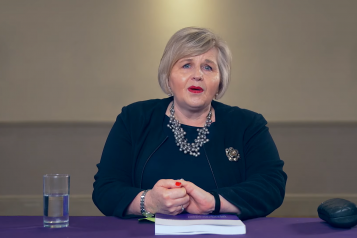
column 196, row 118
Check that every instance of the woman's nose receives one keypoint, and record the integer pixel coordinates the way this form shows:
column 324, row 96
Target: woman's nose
column 198, row 75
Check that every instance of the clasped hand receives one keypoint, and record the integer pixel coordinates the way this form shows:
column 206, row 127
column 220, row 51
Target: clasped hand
column 169, row 196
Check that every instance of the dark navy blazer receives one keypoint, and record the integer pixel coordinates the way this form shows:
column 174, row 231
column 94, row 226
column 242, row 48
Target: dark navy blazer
column 255, row 183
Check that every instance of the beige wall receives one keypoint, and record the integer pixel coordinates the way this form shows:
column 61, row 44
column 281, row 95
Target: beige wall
column 82, row 60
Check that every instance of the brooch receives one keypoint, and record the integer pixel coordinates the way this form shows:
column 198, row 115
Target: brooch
column 232, row 154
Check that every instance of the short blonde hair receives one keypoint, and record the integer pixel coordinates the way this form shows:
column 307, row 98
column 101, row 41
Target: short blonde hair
column 193, row 41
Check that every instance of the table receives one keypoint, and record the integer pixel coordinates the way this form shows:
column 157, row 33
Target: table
column 90, row 227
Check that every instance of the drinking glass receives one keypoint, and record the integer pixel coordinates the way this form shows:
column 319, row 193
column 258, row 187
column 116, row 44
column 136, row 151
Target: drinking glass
column 55, row 200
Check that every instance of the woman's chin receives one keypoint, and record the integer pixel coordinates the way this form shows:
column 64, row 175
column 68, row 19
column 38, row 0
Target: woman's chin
column 197, row 103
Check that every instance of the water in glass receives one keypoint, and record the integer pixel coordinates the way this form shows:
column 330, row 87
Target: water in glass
column 56, row 207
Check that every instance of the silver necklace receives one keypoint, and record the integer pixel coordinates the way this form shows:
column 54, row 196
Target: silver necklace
column 179, row 133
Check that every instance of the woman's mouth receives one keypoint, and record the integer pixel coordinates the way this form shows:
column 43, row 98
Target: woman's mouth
column 194, row 89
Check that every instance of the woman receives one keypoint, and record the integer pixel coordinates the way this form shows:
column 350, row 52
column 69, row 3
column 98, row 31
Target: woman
column 189, row 152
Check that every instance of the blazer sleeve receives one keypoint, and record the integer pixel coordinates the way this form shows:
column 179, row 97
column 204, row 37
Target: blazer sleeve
column 263, row 190
column 113, row 188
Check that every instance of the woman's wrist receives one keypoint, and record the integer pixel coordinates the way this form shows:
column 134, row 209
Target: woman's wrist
column 148, row 203
column 211, row 204
column 217, row 203
column 227, row 207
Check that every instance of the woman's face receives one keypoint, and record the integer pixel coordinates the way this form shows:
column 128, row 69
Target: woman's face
column 194, row 80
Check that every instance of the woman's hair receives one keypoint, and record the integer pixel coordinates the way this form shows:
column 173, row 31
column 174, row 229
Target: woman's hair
column 193, row 41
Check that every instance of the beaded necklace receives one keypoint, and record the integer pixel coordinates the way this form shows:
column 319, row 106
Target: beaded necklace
column 179, row 133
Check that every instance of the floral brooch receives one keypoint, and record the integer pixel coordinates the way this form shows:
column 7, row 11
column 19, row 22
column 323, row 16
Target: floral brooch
column 232, row 154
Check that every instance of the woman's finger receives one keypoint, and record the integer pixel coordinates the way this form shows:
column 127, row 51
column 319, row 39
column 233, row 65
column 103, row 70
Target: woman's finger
column 179, row 209
column 184, row 206
column 170, row 203
column 181, row 201
column 176, row 193
column 194, row 191
column 190, row 187
column 169, row 183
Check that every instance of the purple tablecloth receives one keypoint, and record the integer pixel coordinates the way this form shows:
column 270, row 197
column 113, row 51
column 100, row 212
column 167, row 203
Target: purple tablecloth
column 88, row 227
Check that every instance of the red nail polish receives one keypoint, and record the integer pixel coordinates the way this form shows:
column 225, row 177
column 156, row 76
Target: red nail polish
column 178, row 183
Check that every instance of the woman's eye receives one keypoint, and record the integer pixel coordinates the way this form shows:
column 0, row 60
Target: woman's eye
column 186, row 66
column 207, row 67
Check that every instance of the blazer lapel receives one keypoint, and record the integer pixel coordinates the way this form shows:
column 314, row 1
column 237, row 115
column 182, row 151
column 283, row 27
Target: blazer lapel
column 151, row 140
column 225, row 171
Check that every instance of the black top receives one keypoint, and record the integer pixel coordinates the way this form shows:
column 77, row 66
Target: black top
column 255, row 183
column 168, row 162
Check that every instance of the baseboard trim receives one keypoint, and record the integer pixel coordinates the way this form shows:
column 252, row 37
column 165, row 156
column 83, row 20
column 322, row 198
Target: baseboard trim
column 28, row 205
column 295, row 205
column 305, row 205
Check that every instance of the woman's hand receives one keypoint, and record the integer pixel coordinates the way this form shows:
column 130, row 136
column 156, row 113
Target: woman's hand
column 201, row 202
column 167, row 197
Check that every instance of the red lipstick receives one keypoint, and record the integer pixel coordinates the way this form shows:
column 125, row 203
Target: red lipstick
column 194, row 89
